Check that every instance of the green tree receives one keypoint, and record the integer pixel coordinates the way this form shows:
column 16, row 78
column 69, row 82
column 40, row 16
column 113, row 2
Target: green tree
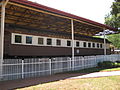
column 115, row 39
column 113, row 19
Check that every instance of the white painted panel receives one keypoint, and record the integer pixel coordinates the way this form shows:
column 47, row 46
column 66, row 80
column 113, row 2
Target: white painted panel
column 12, row 38
column 81, row 43
column 63, row 41
column 35, row 40
column 53, row 41
column 24, row 39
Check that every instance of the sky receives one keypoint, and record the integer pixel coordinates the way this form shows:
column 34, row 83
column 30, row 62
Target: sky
column 91, row 9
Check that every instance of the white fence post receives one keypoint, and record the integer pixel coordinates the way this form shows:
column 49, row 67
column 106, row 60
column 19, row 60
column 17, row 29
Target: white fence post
column 70, row 68
column 118, row 57
column 95, row 60
column 50, row 66
column 1, row 70
column 83, row 63
column 22, row 69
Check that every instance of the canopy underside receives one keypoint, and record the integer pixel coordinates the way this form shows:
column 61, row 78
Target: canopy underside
column 18, row 15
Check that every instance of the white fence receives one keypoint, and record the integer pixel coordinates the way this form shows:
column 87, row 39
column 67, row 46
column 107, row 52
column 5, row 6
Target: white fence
column 35, row 67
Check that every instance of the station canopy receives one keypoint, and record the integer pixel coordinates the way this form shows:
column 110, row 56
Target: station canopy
column 29, row 14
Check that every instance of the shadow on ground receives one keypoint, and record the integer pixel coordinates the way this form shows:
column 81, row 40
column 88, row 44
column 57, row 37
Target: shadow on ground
column 14, row 84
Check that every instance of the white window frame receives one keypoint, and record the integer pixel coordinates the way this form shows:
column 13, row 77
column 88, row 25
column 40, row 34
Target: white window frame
column 76, row 44
column 37, row 41
column 70, row 43
column 13, row 38
column 51, row 41
column 60, row 42
column 32, row 39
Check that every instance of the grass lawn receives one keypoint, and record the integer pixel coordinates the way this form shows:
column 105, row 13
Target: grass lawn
column 95, row 69
column 112, row 69
column 102, row 83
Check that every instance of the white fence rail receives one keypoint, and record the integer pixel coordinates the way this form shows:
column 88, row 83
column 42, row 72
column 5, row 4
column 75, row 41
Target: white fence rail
column 35, row 67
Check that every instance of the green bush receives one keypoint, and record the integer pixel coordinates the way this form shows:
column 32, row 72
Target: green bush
column 109, row 64
column 106, row 64
column 117, row 61
column 117, row 65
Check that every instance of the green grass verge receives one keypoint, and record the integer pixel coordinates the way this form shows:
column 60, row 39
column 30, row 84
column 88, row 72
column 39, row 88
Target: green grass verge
column 112, row 69
column 94, row 69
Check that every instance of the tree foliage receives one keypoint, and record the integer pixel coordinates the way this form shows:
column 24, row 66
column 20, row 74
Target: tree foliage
column 113, row 19
column 115, row 39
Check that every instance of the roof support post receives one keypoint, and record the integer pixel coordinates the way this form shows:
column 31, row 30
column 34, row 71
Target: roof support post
column 72, row 28
column 104, row 45
column 104, row 42
column 3, row 4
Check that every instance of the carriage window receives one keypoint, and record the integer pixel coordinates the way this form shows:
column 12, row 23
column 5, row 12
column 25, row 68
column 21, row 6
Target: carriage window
column 28, row 39
column 58, row 42
column 97, row 45
column 18, row 39
column 100, row 45
column 93, row 44
column 84, row 44
column 77, row 44
column 49, row 41
column 40, row 40
column 89, row 44
column 68, row 43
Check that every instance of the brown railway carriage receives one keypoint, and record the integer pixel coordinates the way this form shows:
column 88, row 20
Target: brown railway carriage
column 34, row 30
column 17, row 44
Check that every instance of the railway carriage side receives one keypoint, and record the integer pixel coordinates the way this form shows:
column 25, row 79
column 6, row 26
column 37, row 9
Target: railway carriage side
column 20, row 44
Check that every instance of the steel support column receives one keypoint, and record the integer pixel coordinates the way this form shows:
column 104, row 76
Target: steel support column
column 3, row 4
column 104, row 45
column 72, row 28
column 104, row 42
